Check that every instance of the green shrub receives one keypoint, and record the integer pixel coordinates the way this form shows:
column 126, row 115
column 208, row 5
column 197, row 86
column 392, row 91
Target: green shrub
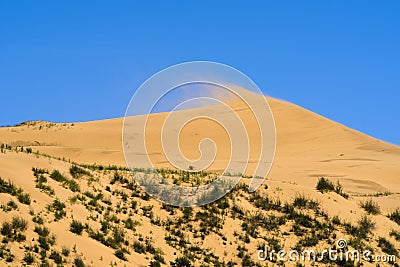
column 67, row 183
column 159, row 258
column 336, row 220
column 43, row 243
column 155, row 264
column 365, row 226
column 120, row 254
column 139, row 247
column 9, row 188
column 6, row 229
column 324, row 185
column 395, row 216
column 65, row 252
column 181, row 262
column 24, row 198
column 76, row 171
column 76, row 227
column 371, row 207
column 37, row 219
column 11, row 205
column 130, row 224
column 79, row 262
column 395, row 235
column 387, row 246
column 302, row 201
column 73, row 186
column 56, row 257
column 29, row 258
column 18, row 223
column 118, row 235
column 57, row 207
column 42, row 231
column 57, row 176
column 14, row 230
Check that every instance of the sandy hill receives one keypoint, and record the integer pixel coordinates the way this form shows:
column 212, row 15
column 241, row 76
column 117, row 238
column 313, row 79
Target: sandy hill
column 308, row 147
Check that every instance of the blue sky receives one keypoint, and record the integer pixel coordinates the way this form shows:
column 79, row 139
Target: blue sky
column 82, row 60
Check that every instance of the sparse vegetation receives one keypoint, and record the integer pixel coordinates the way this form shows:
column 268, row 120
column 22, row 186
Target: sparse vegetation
column 395, row 234
column 13, row 230
column 371, row 207
column 8, row 187
column 395, row 216
column 65, row 182
column 117, row 209
column 76, row 227
column 29, row 258
column 324, row 185
column 387, row 247
column 365, row 226
column 79, row 262
column 57, row 207
column 77, row 171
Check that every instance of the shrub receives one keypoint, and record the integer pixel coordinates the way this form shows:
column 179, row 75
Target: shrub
column 395, row 216
column 43, row 243
column 387, row 247
column 76, row 171
column 155, row 264
column 57, row 207
column 18, row 223
column 42, row 231
column 365, row 226
column 14, row 229
column 181, row 262
column 336, row 220
column 56, row 257
column 65, row 252
column 37, row 219
column 79, row 262
column 29, row 258
column 120, row 254
column 395, row 235
column 302, row 201
column 139, row 247
column 24, row 198
column 10, row 188
column 130, row 224
column 76, row 227
column 324, row 185
column 159, row 258
column 118, row 235
column 73, row 186
column 67, row 183
column 308, row 241
column 370, row 207
column 11, row 205
column 57, row 176
column 6, row 229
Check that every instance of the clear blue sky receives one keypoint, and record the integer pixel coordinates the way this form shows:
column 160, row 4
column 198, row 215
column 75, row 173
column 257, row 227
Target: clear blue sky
column 82, row 60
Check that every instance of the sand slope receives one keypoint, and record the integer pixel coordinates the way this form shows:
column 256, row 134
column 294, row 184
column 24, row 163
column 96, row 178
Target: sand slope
column 308, row 146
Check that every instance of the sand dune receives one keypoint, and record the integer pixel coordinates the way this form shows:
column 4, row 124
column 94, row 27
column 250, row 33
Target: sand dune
column 308, row 147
